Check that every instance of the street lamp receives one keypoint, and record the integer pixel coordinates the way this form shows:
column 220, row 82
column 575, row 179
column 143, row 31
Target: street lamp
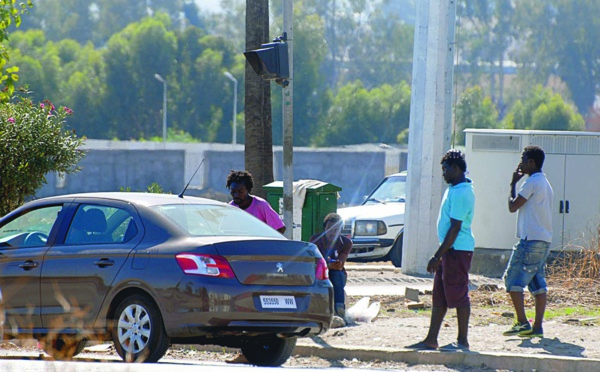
column 230, row 77
column 164, row 128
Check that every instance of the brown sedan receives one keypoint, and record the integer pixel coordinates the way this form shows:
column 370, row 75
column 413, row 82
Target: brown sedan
column 148, row 270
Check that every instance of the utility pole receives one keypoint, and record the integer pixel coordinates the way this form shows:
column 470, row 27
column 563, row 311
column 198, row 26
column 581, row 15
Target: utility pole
column 288, row 124
column 230, row 76
column 164, row 124
column 429, row 129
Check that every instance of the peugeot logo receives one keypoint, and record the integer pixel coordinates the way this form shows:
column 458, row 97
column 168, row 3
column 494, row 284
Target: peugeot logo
column 279, row 267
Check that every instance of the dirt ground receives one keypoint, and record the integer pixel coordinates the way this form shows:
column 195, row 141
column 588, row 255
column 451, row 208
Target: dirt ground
column 396, row 327
column 492, row 313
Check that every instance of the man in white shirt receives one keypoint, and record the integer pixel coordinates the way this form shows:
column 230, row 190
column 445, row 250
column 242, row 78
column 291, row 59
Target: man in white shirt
column 534, row 229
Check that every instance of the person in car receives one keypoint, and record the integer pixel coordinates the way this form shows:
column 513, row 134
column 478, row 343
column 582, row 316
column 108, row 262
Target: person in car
column 452, row 260
column 335, row 248
column 240, row 185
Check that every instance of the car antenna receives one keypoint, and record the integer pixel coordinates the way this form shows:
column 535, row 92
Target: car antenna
column 190, row 181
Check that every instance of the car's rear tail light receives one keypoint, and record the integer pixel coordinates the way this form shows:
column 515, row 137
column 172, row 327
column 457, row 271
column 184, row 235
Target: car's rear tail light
column 322, row 273
column 204, row 264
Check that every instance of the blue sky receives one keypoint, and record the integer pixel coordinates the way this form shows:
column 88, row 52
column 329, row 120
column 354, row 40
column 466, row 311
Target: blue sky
column 211, row 5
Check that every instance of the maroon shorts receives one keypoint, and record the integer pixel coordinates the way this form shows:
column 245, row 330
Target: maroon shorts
column 451, row 281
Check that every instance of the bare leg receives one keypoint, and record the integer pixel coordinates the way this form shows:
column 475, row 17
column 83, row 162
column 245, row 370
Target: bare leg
column 540, row 308
column 463, row 314
column 518, row 300
column 437, row 317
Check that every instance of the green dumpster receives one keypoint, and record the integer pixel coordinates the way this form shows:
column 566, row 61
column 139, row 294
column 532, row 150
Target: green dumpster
column 313, row 200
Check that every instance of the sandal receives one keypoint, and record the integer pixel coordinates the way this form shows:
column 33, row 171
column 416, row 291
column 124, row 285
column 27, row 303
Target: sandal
column 420, row 346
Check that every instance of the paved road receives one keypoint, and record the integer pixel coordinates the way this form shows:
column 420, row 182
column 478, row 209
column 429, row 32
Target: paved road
column 18, row 363
column 387, row 280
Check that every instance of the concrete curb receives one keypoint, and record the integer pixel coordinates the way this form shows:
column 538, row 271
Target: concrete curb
column 512, row 362
column 471, row 358
column 350, row 267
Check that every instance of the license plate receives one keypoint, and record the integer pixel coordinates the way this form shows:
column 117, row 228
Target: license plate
column 278, row 302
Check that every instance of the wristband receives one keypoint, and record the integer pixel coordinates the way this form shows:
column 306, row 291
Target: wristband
column 434, row 258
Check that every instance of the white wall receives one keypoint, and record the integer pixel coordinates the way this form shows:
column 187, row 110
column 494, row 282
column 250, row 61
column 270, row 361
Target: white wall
column 572, row 166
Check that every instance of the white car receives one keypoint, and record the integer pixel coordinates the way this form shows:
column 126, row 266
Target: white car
column 376, row 226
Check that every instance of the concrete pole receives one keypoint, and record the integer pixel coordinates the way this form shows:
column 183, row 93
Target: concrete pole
column 430, row 129
column 164, row 125
column 235, row 111
column 288, row 125
column 230, row 76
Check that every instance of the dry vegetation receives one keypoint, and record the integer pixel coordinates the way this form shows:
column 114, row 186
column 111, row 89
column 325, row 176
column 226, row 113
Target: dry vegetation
column 575, row 275
column 573, row 279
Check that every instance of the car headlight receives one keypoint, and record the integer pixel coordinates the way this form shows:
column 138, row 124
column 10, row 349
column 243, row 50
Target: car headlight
column 369, row 228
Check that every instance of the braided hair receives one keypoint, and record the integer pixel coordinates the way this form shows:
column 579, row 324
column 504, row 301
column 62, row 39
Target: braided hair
column 455, row 156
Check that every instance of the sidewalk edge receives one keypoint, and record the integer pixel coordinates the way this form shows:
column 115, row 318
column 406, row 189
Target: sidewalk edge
column 512, row 362
column 528, row 362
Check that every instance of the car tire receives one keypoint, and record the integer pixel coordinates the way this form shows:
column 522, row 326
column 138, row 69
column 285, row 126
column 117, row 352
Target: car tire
column 268, row 352
column 138, row 331
column 62, row 347
column 395, row 254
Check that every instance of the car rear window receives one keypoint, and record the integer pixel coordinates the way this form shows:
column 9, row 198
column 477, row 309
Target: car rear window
column 215, row 220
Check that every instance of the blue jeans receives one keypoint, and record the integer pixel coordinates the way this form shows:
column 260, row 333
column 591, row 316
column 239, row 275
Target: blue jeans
column 526, row 267
column 338, row 279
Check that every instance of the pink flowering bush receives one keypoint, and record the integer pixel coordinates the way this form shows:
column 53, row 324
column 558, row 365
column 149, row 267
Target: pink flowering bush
column 33, row 142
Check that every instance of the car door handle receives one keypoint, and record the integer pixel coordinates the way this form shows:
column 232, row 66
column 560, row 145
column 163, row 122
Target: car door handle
column 104, row 262
column 567, row 206
column 28, row 265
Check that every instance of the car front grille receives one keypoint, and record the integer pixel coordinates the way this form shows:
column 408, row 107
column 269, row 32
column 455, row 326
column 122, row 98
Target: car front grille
column 347, row 228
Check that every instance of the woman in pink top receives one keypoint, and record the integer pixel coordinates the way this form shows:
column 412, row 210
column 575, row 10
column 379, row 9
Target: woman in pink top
column 240, row 184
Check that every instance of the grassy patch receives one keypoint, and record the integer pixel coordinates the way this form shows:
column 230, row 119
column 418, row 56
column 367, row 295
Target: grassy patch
column 567, row 312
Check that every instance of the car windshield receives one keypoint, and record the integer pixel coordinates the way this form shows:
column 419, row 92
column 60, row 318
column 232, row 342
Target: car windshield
column 393, row 189
column 215, row 220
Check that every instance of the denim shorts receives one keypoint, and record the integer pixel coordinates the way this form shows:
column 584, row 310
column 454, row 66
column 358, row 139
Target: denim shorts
column 526, row 267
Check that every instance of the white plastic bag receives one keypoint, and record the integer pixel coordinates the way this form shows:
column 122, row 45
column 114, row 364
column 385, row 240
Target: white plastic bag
column 362, row 312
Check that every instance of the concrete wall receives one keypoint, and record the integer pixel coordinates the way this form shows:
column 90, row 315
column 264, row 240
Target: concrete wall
column 357, row 173
column 110, row 165
column 109, row 170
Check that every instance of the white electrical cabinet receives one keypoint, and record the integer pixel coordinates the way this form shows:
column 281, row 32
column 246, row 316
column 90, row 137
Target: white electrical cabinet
column 572, row 166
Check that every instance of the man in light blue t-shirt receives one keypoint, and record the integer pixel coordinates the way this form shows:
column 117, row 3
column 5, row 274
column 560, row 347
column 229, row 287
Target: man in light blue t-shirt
column 452, row 261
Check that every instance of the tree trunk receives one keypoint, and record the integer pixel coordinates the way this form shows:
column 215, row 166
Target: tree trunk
column 258, row 153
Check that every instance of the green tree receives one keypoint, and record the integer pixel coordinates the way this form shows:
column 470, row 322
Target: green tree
column 486, row 34
column 474, row 110
column 359, row 115
column 557, row 115
column 33, row 143
column 133, row 95
column 115, row 15
column 560, row 39
column 381, row 47
column 520, row 115
column 83, row 87
column 38, row 63
column 310, row 86
column 201, row 94
column 230, row 23
column 543, row 110
column 9, row 14
column 97, row 20
column 64, row 19
column 64, row 72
